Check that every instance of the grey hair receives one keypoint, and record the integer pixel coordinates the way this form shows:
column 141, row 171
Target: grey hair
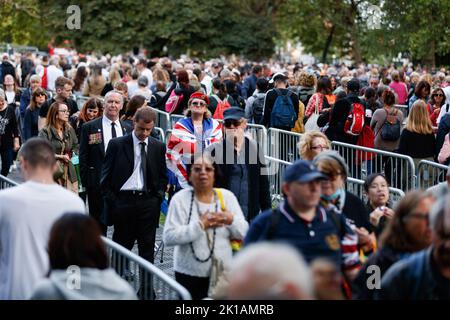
column 35, row 77
column 113, row 92
column 286, row 265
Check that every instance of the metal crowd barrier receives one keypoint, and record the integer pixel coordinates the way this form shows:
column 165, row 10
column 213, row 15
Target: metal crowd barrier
column 162, row 134
column 356, row 187
column 6, row 183
column 150, row 282
column 174, row 118
column 399, row 169
column 276, row 169
column 259, row 134
column 162, row 120
column 430, row 173
column 403, row 108
column 283, row 144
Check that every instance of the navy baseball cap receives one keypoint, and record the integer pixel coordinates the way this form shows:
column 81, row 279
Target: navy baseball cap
column 302, row 171
column 233, row 113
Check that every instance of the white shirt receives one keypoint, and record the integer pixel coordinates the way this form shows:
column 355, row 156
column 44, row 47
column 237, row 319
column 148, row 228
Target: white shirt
column 132, row 87
column 107, row 134
column 149, row 74
column 27, row 213
column 52, row 73
column 136, row 181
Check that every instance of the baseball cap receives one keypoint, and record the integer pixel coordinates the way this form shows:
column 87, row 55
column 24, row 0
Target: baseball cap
column 278, row 76
column 233, row 113
column 302, row 171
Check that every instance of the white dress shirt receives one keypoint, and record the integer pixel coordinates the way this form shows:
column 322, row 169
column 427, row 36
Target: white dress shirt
column 107, row 135
column 136, row 181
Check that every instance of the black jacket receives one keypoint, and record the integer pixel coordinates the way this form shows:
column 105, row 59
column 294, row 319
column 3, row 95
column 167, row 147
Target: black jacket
column 258, row 184
column 355, row 210
column 92, row 152
column 119, row 165
column 384, row 258
column 179, row 89
column 269, row 102
column 443, row 130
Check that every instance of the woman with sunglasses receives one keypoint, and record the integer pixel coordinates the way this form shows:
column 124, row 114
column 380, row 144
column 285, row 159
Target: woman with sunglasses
column 437, row 106
column 64, row 140
column 30, row 122
column 200, row 223
column 189, row 136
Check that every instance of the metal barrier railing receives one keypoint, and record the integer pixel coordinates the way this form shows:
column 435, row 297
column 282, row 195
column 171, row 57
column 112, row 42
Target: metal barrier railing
column 162, row 134
column 430, row 173
column 276, row 169
column 399, row 169
column 356, row 187
column 150, row 282
column 174, row 118
column 403, row 108
column 259, row 134
column 283, row 144
column 6, row 183
column 162, row 120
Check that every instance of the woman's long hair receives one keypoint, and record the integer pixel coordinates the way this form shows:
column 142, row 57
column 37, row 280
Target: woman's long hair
column 53, row 114
column 36, row 92
column 419, row 119
column 92, row 103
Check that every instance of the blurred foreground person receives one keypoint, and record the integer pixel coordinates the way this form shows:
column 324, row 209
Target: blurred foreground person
column 75, row 240
column 270, row 271
column 27, row 212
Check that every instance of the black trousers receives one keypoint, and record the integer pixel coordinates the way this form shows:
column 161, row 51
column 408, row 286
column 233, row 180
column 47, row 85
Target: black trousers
column 136, row 218
column 197, row 286
column 95, row 203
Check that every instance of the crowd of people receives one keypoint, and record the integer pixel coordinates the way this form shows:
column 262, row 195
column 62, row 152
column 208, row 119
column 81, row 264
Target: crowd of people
column 319, row 242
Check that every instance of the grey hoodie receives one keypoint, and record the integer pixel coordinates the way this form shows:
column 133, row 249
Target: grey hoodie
column 95, row 284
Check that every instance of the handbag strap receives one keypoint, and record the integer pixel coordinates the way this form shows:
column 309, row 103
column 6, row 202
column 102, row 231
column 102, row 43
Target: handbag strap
column 384, row 122
column 221, row 200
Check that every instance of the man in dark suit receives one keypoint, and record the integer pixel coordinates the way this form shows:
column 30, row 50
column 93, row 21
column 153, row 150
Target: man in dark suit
column 95, row 136
column 242, row 165
column 133, row 183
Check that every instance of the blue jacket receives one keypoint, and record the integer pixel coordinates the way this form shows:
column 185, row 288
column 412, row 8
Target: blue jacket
column 249, row 86
column 414, row 278
column 25, row 99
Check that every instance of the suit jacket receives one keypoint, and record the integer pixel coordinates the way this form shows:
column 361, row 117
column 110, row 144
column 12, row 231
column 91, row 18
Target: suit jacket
column 119, row 164
column 258, row 181
column 92, row 151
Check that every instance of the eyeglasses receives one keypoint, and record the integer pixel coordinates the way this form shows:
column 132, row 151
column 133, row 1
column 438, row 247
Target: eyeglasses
column 231, row 122
column 200, row 169
column 198, row 103
column 64, row 111
column 332, row 176
column 418, row 215
column 40, row 95
column 438, row 95
column 321, row 148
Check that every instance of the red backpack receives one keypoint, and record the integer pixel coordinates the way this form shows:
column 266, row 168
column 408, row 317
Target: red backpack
column 44, row 79
column 221, row 107
column 355, row 122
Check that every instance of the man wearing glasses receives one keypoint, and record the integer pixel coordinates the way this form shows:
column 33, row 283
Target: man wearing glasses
column 241, row 162
column 63, row 87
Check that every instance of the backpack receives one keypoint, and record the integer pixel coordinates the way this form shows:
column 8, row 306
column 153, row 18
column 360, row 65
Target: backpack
column 221, row 107
column 174, row 101
column 283, row 113
column 258, row 108
column 44, row 79
column 390, row 130
column 355, row 120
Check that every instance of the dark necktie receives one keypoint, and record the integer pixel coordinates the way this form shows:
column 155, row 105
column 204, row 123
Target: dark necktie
column 144, row 165
column 113, row 130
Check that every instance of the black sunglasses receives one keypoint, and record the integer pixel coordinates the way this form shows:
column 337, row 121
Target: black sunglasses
column 232, row 122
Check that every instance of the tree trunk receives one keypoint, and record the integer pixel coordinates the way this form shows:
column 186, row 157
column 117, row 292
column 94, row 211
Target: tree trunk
column 430, row 59
column 327, row 45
